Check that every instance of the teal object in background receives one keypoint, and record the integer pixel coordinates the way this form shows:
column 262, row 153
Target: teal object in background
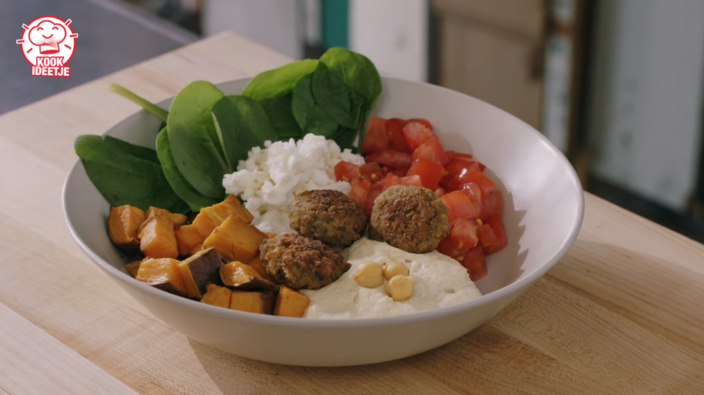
column 335, row 19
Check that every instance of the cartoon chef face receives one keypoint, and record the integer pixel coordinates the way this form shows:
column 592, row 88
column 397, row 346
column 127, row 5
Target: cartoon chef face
column 47, row 36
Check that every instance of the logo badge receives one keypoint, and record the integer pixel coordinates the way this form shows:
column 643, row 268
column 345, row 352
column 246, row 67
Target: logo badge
column 48, row 44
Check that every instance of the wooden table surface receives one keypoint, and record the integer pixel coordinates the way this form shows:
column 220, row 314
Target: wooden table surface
column 622, row 313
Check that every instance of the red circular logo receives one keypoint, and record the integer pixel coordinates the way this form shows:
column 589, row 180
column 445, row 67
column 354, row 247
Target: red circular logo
column 48, row 42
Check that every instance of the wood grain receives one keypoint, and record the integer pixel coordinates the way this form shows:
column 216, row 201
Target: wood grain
column 620, row 314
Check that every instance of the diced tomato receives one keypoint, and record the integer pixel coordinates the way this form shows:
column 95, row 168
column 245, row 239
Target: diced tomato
column 398, row 172
column 360, row 190
column 375, row 139
column 423, row 121
column 487, row 238
column 391, row 180
column 346, row 171
column 451, row 179
column 484, row 182
column 474, row 193
column 431, row 150
column 394, row 130
column 391, row 158
column 429, row 172
column 416, row 133
column 493, row 203
column 412, row 181
column 462, row 238
column 374, row 192
column 498, row 227
column 475, row 263
column 371, row 171
column 454, row 154
column 440, row 192
column 460, row 206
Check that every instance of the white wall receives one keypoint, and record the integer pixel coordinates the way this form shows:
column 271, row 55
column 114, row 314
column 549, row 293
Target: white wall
column 273, row 23
column 393, row 34
column 647, row 98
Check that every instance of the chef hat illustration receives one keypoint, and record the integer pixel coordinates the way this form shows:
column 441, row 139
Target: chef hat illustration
column 47, row 36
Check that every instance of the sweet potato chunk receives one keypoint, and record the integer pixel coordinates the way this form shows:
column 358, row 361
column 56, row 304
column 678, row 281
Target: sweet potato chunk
column 217, row 296
column 123, row 223
column 162, row 273
column 211, row 217
column 290, row 303
column 178, row 219
column 188, row 237
column 257, row 265
column 238, row 275
column 236, row 240
column 253, row 302
column 157, row 238
column 199, row 270
column 133, row 268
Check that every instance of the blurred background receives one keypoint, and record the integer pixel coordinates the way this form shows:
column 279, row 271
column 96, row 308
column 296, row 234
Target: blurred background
column 615, row 84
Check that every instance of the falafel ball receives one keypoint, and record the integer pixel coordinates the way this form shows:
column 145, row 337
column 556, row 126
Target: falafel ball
column 301, row 262
column 411, row 218
column 329, row 216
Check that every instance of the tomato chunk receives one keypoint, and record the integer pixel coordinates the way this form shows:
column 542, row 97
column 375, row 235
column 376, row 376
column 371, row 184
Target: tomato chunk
column 431, row 150
column 493, row 203
column 462, row 238
column 423, row 121
column 391, row 180
column 440, row 192
column 412, row 181
column 394, row 131
column 487, row 237
column 475, row 263
column 454, row 154
column 375, row 139
column 391, row 158
column 429, row 172
column 484, row 182
column 498, row 227
column 460, row 205
column 374, row 192
column 416, row 133
column 346, row 171
column 360, row 190
column 371, row 171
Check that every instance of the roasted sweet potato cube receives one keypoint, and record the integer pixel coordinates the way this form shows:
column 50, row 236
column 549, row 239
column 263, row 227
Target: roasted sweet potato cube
column 157, row 238
column 195, row 249
column 187, row 237
column 123, row 223
column 290, row 303
column 236, row 240
column 238, row 275
column 257, row 265
column 211, row 217
column 253, row 302
column 178, row 219
column 133, row 268
column 199, row 270
column 217, row 296
column 162, row 273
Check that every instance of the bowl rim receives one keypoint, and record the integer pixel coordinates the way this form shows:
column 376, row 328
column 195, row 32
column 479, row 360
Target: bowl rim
column 486, row 299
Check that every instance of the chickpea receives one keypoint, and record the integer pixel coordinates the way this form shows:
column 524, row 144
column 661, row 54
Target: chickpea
column 368, row 275
column 400, row 287
column 394, row 268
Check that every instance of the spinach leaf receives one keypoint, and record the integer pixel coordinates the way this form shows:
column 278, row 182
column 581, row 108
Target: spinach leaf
column 132, row 149
column 241, row 124
column 123, row 178
column 272, row 89
column 140, row 101
column 310, row 117
column 194, row 141
column 358, row 73
column 181, row 187
column 337, row 99
column 344, row 137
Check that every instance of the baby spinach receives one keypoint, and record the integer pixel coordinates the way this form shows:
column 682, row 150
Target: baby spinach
column 310, row 117
column 132, row 149
column 123, row 178
column 140, row 101
column 241, row 124
column 194, row 141
column 336, row 98
column 273, row 90
column 180, row 185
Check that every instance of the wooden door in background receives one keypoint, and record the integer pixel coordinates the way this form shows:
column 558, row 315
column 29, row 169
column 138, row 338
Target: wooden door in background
column 493, row 50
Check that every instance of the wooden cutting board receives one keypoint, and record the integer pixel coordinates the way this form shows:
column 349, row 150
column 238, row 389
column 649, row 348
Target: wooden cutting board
column 622, row 313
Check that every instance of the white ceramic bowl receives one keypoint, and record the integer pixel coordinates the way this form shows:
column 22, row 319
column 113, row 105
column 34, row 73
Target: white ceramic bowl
column 543, row 202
